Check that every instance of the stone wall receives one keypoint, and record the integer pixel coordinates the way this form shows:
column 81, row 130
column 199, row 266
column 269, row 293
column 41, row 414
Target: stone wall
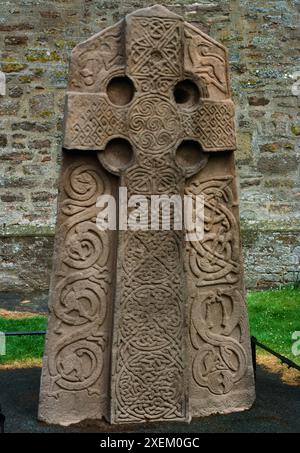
column 36, row 38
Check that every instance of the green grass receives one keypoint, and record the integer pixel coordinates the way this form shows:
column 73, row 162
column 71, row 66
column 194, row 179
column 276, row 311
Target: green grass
column 23, row 348
column 274, row 316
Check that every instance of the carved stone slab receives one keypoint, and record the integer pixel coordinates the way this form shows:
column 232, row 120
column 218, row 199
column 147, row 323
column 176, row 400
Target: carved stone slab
column 145, row 326
column 75, row 378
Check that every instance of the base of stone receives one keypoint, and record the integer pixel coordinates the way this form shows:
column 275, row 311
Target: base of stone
column 247, row 402
column 67, row 409
column 223, row 409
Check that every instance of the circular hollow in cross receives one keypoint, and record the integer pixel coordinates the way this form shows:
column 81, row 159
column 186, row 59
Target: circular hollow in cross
column 117, row 155
column 120, row 90
column 190, row 157
column 186, row 93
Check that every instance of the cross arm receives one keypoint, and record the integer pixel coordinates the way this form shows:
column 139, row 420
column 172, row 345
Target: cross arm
column 91, row 120
column 212, row 124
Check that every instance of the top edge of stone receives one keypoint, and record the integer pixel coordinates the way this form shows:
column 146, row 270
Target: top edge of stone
column 155, row 11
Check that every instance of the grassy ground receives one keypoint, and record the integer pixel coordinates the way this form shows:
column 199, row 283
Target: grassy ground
column 21, row 350
column 274, row 316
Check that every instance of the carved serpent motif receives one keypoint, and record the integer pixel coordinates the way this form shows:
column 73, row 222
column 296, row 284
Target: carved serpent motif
column 215, row 259
column 221, row 360
column 81, row 285
column 217, row 317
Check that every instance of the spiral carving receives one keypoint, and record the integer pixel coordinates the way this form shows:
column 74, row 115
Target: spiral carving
column 77, row 364
column 81, row 285
column 154, row 123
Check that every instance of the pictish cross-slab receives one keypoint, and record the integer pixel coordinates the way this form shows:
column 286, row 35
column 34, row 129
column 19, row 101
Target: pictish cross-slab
column 144, row 325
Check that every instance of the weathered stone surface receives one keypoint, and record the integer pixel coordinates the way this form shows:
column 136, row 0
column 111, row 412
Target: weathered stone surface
column 42, row 105
column 244, row 149
column 145, row 326
column 19, row 40
column 27, row 276
column 76, row 362
column 3, row 140
column 218, row 318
